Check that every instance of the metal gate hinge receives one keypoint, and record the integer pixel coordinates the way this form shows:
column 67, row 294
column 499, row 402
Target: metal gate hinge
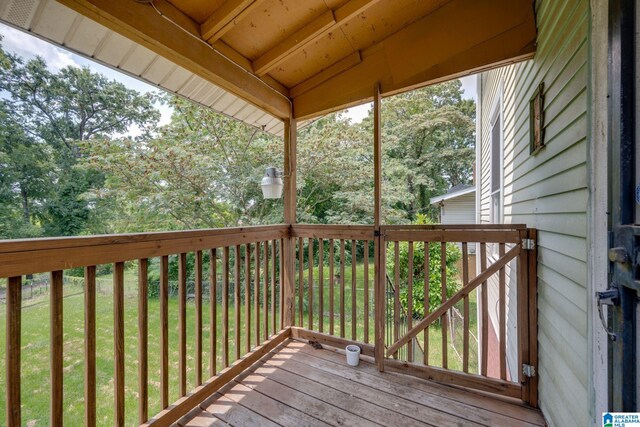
column 528, row 370
column 528, row 244
column 377, row 233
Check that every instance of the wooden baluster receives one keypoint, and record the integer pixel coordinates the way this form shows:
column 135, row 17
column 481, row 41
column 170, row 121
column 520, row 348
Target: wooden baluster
column 247, row 296
column 118, row 338
column 310, row 298
column 321, row 285
column 426, row 302
column 164, row 331
column 443, row 294
column 342, row 279
column 502, row 321
column 410, row 348
column 182, row 323
column 236, row 301
column 273, row 287
column 256, row 291
column 225, row 306
column 143, row 335
column 13, row 414
column 465, row 281
column 300, row 279
column 56, row 344
column 213, row 311
column 380, row 299
column 331, row 287
column 354, row 292
column 396, row 294
column 90, row 350
column 281, row 283
column 485, row 317
column 366, row 291
column 265, row 290
column 198, row 304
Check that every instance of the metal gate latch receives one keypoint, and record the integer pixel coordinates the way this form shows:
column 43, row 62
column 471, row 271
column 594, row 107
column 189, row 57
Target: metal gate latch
column 608, row 297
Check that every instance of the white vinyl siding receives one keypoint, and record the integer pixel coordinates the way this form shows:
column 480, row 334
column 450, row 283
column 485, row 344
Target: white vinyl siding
column 548, row 191
column 459, row 210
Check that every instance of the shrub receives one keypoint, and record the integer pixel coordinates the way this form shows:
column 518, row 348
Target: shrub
column 435, row 298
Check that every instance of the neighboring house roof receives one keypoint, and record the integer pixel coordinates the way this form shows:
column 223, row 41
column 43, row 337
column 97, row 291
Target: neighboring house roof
column 457, row 191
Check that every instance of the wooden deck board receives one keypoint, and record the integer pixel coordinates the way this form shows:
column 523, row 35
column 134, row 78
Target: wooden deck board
column 299, row 385
column 472, row 400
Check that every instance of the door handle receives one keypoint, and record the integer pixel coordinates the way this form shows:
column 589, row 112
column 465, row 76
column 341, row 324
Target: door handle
column 608, row 297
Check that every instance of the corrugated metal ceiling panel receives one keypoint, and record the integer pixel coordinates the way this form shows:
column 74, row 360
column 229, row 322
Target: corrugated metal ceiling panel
column 57, row 24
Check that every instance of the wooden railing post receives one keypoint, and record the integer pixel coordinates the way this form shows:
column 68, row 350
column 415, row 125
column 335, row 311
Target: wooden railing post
column 523, row 315
column 290, row 130
column 379, row 284
column 533, row 316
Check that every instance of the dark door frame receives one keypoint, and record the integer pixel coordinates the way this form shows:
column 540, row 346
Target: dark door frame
column 625, row 237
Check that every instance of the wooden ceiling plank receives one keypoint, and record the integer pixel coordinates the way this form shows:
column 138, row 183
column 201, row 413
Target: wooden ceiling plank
column 140, row 23
column 352, row 8
column 302, row 38
column 344, row 64
column 426, row 52
column 222, row 16
column 236, row 57
column 232, row 20
column 293, row 43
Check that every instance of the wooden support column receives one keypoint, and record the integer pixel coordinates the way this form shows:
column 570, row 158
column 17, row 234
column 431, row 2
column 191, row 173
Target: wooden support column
column 290, row 130
column 379, row 294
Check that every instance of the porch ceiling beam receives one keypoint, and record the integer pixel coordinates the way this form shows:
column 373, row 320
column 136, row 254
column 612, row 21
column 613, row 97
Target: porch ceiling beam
column 329, row 20
column 140, row 23
column 492, row 33
column 324, row 75
column 225, row 18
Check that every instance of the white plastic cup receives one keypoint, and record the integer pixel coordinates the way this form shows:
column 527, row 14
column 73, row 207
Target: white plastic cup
column 353, row 355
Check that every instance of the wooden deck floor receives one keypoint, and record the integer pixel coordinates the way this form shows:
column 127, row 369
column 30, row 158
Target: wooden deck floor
column 298, row 385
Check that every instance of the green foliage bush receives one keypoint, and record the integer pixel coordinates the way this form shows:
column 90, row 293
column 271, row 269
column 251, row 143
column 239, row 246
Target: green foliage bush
column 435, row 298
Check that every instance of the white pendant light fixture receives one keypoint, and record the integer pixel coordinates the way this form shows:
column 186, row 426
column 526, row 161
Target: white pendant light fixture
column 272, row 183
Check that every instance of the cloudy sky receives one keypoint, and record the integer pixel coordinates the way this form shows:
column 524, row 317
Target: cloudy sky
column 28, row 46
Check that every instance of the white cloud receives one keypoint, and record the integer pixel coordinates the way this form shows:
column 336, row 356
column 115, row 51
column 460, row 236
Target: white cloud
column 18, row 42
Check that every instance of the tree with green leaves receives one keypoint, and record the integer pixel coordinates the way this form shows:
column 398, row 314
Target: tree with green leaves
column 55, row 112
column 202, row 170
column 429, row 138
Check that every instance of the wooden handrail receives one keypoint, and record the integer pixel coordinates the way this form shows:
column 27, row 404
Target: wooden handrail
column 434, row 315
column 457, row 235
column 17, row 258
column 19, row 245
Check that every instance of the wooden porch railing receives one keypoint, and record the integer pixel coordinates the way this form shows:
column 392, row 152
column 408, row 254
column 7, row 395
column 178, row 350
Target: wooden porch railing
column 240, row 271
column 506, row 271
column 244, row 266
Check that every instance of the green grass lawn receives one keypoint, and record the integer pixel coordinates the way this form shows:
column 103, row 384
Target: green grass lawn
column 455, row 332
column 35, row 356
column 35, row 344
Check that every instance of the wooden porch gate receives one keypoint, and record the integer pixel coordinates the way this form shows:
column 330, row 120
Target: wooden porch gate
column 418, row 272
